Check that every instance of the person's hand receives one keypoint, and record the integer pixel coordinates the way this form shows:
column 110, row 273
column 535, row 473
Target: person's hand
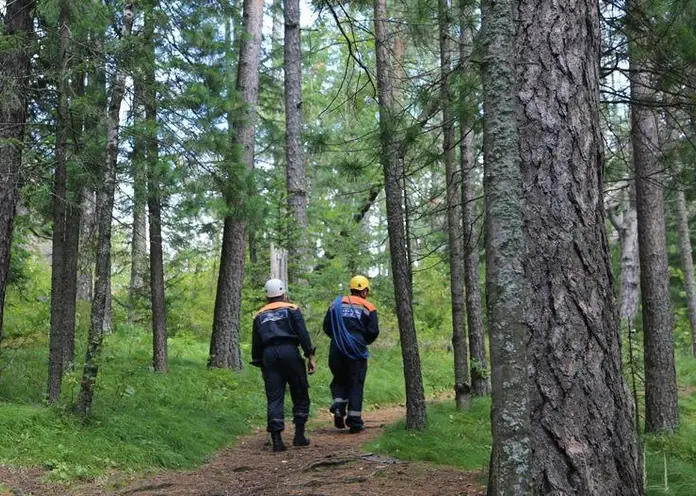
column 311, row 365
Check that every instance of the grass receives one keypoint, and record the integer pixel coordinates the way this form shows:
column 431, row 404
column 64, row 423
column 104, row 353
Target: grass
column 145, row 421
column 462, row 439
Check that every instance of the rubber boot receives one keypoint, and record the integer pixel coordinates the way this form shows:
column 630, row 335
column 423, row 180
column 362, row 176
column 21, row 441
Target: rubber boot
column 277, row 440
column 339, row 422
column 300, row 439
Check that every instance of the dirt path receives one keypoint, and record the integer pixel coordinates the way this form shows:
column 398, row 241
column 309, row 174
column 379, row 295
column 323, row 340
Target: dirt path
column 334, row 464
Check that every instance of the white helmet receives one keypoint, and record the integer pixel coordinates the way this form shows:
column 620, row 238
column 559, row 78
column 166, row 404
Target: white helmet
column 274, row 287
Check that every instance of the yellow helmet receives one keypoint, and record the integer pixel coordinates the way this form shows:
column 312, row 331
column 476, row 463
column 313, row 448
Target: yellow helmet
column 359, row 283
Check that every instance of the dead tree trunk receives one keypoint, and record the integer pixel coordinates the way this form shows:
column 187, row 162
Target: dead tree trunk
column 505, row 284
column 105, row 204
column 14, row 79
column 480, row 383
column 687, row 263
column 583, row 438
column 401, row 269
column 224, row 343
column 454, row 214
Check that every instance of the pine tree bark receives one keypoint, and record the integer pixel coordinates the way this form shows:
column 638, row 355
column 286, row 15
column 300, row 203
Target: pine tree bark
column 139, row 229
column 505, row 283
column 224, row 344
column 454, row 214
column 105, row 204
column 687, row 263
column 661, row 408
column 14, row 79
column 57, row 336
column 154, row 202
column 583, row 438
column 294, row 160
column 401, row 269
column 480, row 383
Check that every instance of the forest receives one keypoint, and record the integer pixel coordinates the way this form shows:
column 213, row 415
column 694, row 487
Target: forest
column 517, row 180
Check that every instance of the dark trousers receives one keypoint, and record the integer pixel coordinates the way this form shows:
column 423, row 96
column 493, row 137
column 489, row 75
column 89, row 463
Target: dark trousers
column 347, row 385
column 282, row 364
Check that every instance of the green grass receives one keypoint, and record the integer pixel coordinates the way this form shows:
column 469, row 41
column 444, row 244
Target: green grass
column 146, row 421
column 462, row 439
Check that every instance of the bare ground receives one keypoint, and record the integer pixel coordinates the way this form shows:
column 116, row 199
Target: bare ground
column 333, row 465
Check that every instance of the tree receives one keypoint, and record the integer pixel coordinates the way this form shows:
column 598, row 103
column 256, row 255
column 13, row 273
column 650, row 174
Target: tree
column 401, row 269
column 224, row 343
column 454, row 214
column 687, row 263
column 505, row 283
column 294, row 160
column 14, row 76
column 154, row 198
column 105, row 205
column 661, row 409
column 583, row 438
column 480, row 384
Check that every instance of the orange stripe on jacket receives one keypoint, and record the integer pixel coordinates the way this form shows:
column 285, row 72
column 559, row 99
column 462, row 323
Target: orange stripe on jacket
column 356, row 300
column 275, row 306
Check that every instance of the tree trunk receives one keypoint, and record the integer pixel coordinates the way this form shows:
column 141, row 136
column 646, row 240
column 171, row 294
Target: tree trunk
column 14, row 76
column 454, row 215
column 687, row 263
column 224, row 343
column 583, row 439
column 57, row 335
column 505, row 284
column 480, row 383
column 139, row 230
column 105, row 204
column 661, row 409
column 279, row 263
column 154, row 202
column 628, row 238
column 294, row 160
column 85, row 282
column 401, row 270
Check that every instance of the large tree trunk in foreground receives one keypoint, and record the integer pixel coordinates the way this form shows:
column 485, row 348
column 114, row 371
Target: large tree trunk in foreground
column 294, row 160
column 454, row 215
column 105, row 205
column 224, row 343
column 583, row 438
column 480, row 383
column 154, row 202
column 401, row 270
column 14, row 83
column 505, row 284
column 687, row 263
column 661, row 409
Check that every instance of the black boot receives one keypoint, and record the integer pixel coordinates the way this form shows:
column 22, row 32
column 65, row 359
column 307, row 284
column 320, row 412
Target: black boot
column 300, row 439
column 277, row 440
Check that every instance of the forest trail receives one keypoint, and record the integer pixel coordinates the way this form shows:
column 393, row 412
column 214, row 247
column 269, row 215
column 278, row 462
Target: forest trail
column 333, row 465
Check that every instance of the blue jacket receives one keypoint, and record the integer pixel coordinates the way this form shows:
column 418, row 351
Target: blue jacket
column 279, row 322
column 359, row 318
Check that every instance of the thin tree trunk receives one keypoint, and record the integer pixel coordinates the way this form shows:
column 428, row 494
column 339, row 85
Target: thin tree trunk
column 687, row 263
column 14, row 81
column 85, row 282
column 661, row 408
column 224, row 344
column 59, row 200
column 401, row 270
column 505, row 283
column 454, row 215
column 105, row 204
column 628, row 238
column 294, row 160
column 480, row 383
column 159, row 314
column 139, row 229
column 583, row 438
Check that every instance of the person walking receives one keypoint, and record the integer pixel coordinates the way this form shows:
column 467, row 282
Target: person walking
column 351, row 323
column 278, row 329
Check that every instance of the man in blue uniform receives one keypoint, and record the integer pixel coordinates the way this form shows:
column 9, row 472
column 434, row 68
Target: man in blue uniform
column 351, row 323
column 278, row 329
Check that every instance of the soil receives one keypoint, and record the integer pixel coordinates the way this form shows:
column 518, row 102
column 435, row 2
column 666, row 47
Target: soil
column 334, row 464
